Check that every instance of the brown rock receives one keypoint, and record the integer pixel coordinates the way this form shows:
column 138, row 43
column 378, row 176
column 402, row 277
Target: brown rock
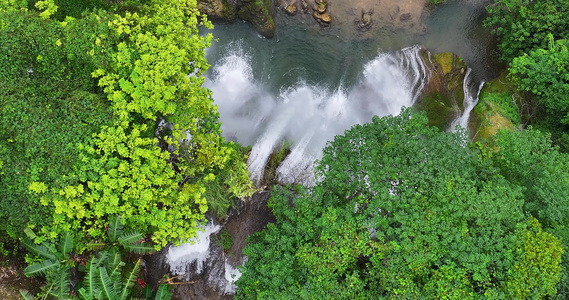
column 291, row 9
column 405, row 17
column 325, row 18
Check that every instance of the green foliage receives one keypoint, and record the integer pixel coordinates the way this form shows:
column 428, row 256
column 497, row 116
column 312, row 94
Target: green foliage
column 119, row 240
column 6, row 5
column 523, row 25
column 90, row 92
column 276, row 158
column 55, row 264
column 544, row 73
column 540, row 255
column 528, row 159
column 402, row 211
column 224, row 240
column 54, row 102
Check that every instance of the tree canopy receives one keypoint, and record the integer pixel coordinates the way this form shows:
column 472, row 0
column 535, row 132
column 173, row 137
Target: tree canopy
column 105, row 115
column 402, row 210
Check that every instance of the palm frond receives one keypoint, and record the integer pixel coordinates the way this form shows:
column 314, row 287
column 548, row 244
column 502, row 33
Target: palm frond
column 40, row 250
column 140, row 248
column 66, row 244
column 129, row 238
column 163, row 293
column 41, row 267
column 115, row 227
column 26, row 295
column 30, row 233
column 95, row 245
column 90, row 280
column 106, row 285
column 63, row 284
column 125, row 291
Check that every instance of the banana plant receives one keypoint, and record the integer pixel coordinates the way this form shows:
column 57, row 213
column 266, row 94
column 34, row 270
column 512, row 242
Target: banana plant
column 55, row 264
column 128, row 241
column 104, row 277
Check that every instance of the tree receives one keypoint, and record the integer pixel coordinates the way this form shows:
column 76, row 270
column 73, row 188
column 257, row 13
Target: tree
column 527, row 158
column 401, row 210
column 149, row 141
column 523, row 25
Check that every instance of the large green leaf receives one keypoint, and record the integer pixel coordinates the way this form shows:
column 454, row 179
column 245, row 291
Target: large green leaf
column 66, row 244
column 163, row 293
column 129, row 282
column 130, row 238
column 91, row 276
column 40, row 250
column 106, row 285
column 140, row 248
column 41, row 267
column 63, row 284
column 115, row 228
column 26, row 295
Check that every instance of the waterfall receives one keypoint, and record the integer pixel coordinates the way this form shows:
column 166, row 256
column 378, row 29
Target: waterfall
column 193, row 254
column 469, row 102
column 307, row 114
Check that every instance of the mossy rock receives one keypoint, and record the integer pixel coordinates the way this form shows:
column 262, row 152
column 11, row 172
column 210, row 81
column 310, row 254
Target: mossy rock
column 498, row 108
column 218, row 10
column 438, row 112
column 445, row 60
column 260, row 14
column 443, row 95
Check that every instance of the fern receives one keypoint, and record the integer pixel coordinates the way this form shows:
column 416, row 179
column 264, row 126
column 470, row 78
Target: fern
column 90, row 280
column 140, row 248
column 26, row 295
column 106, row 284
column 63, row 283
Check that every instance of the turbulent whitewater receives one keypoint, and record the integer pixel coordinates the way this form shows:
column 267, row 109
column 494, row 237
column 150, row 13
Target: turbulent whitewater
column 307, row 114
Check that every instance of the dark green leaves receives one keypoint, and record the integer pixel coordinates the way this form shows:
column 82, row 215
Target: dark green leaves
column 401, row 211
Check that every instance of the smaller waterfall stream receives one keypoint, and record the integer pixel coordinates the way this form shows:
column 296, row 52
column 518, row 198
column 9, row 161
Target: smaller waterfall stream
column 469, row 102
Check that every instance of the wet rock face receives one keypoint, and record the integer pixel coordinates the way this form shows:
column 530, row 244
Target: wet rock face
column 258, row 12
column 443, row 96
column 208, row 280
column 218, row 10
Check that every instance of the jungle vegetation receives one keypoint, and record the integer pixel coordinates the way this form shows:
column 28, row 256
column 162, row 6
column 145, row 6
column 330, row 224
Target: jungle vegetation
column 107, row 147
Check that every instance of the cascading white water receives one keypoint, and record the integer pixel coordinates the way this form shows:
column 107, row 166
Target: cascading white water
column 181, row 257
column 308, row 114
column 469, row 102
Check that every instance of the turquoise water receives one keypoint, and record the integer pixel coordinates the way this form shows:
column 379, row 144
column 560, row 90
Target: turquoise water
column 335, row 56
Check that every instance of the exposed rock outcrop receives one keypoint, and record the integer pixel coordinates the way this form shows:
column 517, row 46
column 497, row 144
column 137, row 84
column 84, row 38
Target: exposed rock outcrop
column 443, row 96
column 258, row 12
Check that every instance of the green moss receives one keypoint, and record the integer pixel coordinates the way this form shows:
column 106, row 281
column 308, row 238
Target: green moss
column 445, row 60
column 438, row 113
column 498, row 108
column 276, row 158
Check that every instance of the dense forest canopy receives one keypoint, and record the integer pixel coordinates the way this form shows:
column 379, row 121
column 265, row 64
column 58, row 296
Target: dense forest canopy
column 109, row 144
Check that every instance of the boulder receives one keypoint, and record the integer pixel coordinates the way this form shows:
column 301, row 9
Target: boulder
column 443, row 96
column 258, row 12
column 323, row 19
column 291, row 9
